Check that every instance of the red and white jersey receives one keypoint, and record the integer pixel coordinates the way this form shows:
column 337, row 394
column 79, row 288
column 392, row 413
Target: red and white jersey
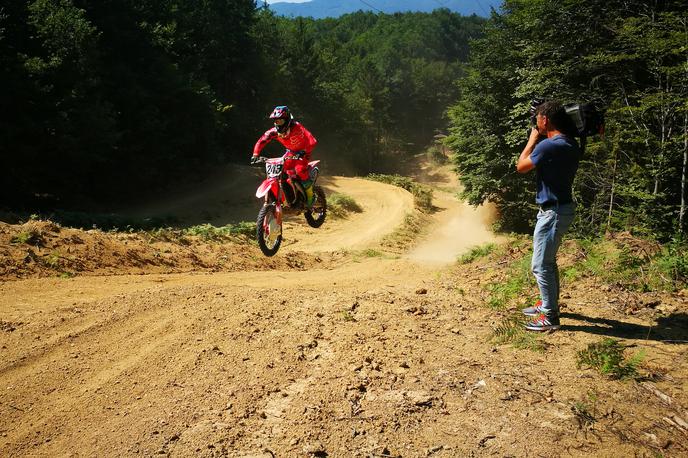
column 297, row 139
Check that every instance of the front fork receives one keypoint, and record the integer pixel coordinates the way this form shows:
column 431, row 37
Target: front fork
column 270, row 199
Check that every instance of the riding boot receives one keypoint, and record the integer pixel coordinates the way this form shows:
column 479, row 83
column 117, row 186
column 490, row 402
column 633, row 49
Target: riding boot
column 308, row 188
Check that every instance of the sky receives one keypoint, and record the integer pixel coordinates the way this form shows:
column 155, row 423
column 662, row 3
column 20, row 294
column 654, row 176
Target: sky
column 286, row 1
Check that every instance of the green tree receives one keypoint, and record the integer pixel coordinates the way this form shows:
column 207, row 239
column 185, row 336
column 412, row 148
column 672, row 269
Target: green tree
column 628, row 57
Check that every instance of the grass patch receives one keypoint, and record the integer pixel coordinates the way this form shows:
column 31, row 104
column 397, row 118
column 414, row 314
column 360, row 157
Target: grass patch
column 206, row 232
column 370, row 253
column 340, row 205
column 635, row 264
column 422, row 195
column 210, row 232
column 436, row 155
column 670, row 266
column 584, row 411
column 29, row 237
column 403, row 237
column 53, row 260
column 593, row 256
column 358, row 256
column 607, row 356
column 107, row 221
column 512, row 330
column 518, row 284
column 476, row 253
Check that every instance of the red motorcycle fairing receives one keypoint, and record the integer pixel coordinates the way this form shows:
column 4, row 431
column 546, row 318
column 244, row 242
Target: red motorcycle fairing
column 267, row 185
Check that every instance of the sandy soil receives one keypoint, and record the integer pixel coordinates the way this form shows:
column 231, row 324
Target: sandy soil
column 321, row 351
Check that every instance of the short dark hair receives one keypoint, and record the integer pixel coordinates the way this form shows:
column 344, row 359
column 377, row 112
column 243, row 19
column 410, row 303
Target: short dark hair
column 556, row 114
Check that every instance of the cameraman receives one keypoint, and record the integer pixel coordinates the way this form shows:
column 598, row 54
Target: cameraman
column 554, row 155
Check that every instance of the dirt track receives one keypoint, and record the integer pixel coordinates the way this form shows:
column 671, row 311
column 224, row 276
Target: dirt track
column 370, row 356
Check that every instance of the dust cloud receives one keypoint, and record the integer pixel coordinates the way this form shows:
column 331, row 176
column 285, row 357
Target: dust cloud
column 458, row 227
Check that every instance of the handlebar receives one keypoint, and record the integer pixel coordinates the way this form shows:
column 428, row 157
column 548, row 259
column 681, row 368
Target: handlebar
column 258, row 161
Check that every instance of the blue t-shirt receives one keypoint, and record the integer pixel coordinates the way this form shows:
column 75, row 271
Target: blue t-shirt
column 556, row 161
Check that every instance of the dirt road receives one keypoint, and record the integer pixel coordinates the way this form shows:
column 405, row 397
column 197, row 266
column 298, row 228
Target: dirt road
column 371, row 356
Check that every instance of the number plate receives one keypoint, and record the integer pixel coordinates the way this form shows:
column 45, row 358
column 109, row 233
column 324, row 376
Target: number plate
column 273, row 169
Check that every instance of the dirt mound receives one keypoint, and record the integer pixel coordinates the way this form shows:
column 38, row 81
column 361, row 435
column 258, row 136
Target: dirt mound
column 43, row 248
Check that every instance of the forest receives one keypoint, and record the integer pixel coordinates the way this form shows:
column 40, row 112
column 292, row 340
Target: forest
column 109, row 102
column 629, row 58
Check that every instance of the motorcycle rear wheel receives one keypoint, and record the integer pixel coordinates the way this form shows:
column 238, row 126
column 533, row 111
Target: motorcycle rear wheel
column 315, row 216
column 268, row 231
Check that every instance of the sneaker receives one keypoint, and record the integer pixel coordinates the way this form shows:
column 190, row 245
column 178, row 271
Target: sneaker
column 543, row 323
column 535, row 310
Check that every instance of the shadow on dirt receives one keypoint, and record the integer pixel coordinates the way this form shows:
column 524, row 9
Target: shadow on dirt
column 669, row 329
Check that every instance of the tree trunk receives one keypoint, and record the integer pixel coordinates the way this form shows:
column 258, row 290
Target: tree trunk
column 684, row 171
column 613, row 188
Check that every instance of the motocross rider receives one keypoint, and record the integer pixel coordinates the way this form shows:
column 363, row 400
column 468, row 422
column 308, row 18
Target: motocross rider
column 299, row 143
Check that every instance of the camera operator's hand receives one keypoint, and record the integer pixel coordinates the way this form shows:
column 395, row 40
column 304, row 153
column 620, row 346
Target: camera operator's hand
column 524, row 163
column 534, row 135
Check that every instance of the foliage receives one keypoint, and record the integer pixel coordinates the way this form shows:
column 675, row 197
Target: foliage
column 371, row 253
column 107, row 102
column 53, row 259
column 367, row 85
column 347, row 316
column 584, row 411
column 209, row 232
column 607, row 356
column 436, row 155
column 512, row 330
column 29, row 237
column 106, row 221
column 206, row 232
column 476, row 252
column 671, row 264
column 518, row 282
column 634, row 263
column 422, row 195
column 626, row 56
column 103, row 101
column 340, row 205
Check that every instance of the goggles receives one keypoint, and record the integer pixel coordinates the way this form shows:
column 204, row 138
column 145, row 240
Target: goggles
column 280, row 121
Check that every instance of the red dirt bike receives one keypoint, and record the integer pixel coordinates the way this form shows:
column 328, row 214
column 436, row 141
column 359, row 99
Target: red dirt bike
column 284, row 194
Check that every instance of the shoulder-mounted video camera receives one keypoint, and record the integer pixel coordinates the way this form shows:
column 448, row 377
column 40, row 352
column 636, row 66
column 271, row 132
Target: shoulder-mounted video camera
column 585, row 117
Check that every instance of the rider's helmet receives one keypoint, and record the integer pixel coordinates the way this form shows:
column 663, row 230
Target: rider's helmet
column 282, row 118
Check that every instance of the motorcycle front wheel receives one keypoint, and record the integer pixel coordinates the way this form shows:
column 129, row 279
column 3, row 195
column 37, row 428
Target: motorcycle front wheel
column 268, row 231
column 315, row 216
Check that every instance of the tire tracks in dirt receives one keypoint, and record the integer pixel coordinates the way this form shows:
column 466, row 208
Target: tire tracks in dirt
column 189, row 364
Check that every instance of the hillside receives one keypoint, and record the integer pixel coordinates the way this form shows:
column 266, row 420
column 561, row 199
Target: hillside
column 319, row 9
